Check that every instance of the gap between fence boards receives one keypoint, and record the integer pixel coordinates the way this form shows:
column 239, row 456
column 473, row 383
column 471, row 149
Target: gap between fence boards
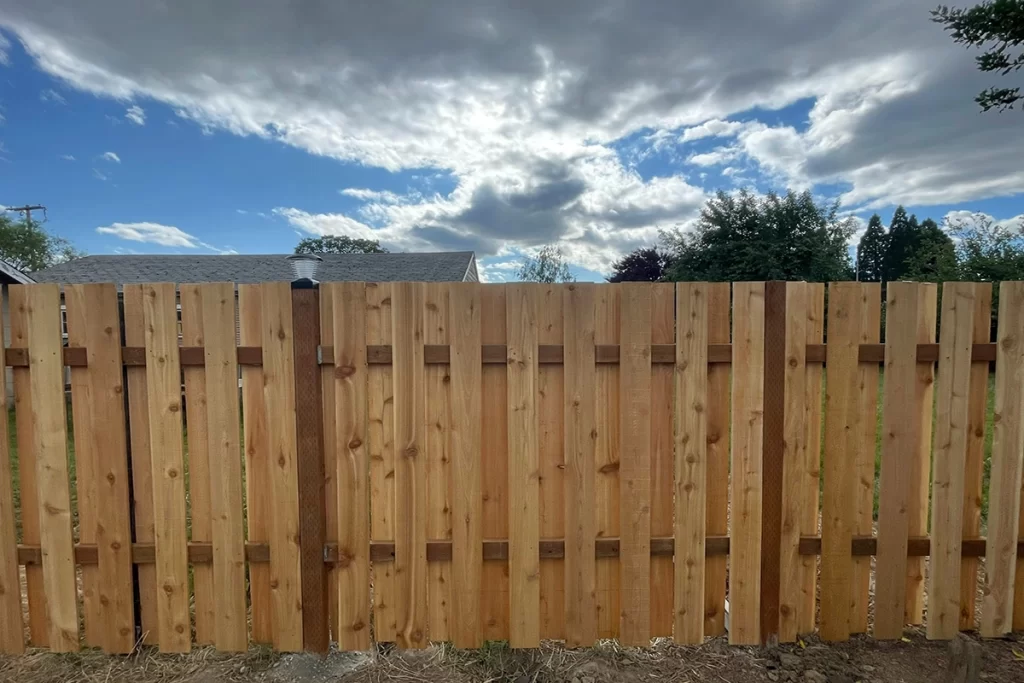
column 441, row 551
column 438, row 354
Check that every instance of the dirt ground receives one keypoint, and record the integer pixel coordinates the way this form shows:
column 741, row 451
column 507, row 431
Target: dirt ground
column 862, row 659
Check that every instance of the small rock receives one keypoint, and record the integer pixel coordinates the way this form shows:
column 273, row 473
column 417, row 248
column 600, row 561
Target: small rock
column 243, row 670
column 575, row 679
column 587, row 679
column 772, row 676
column 840, row 678
column 868, row 668
column 789, row 661
column 813, row 676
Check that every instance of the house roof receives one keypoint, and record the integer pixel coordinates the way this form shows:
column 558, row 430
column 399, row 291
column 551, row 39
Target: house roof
column 121, row 269
column 9, row 275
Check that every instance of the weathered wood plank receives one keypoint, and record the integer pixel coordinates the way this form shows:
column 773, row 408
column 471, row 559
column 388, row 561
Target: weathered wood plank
column 12, row 636
column 663, row 331
column 810, row 487
column 551, row 463
column 718, row 439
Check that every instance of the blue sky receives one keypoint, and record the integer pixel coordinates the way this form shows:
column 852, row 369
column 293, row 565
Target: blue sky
column 492, row 130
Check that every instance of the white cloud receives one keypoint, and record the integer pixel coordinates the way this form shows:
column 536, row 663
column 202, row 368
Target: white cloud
column 110, row 156
column 67, row 157
column 152, row 233
column 5, row 45
column 51, row 95
column 382, row 196
column 136, row 115
column 98, row 174
column 716, row 128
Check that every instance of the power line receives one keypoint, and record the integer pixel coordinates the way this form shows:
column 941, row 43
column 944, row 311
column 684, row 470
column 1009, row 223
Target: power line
column 28, row 209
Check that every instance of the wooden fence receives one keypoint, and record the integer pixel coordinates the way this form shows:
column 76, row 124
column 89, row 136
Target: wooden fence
column 417, row 462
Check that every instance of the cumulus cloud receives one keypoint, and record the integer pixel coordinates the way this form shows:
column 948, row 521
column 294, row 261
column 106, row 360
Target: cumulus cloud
column 152, row 233
column 110, row 156
column 523, row 104
column 136, row 115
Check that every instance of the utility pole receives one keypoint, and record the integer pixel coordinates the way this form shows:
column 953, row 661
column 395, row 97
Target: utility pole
column 27, row 210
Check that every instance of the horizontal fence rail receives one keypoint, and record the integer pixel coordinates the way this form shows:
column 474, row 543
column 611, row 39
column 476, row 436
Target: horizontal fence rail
column 419, row 462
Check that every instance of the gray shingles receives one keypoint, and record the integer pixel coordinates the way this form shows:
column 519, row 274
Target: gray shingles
column 121, row 269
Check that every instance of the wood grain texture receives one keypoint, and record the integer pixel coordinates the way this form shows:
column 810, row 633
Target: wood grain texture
column 259, row 504
column 635, row 463
column 39, row 632
column 141, row 460
column 325, row 294
column 810, row 488
column 407, row 304
column 794, row 458
column 495, row 444
column 163, row 378
column 466, row 464
column 691, row 450
column 901, row 426
column 198, row 457
column 865, row 453
column 523, row 465
column 437, row 452
column 230, row 629
column 606, row 331
column 580, row 449
column 951, row 422
column 663, row 331
column 975, row 464
column 718, row 439
column 351, row 483
column 381, row 430
column 279, row 399
column 747, row 415
column 842, row 415
column 919, row 491
column 1007, row 453
column 12, row 636
column 94, row 323
column 551, row 463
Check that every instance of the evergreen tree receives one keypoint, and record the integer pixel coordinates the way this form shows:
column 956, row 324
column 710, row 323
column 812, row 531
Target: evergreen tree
column 871, row 252
column 646, row 264
column 933, row 258
column 902, row 240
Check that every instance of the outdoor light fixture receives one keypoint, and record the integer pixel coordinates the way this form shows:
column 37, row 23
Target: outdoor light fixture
column 304, row 267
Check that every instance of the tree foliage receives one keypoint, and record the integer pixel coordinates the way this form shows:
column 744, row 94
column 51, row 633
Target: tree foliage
column 743, row 236
column 549, row 265
column 933, row 258
column 26, row 246
column 646, row 264
column 339, row 244
column 987, row 251
column 998, row 24
column 871, row 251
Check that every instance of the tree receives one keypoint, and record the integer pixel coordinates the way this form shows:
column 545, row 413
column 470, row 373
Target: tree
column 901, row 244
column 996, row 22
column 547, row 266
column 26, row 246
column 871, row 251
column 646, row 264
column 339, row 244
column 987, row 251
column 933, row 258
column 742, row 236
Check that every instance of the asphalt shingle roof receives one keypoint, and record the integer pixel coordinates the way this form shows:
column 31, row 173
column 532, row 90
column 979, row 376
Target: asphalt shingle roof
column 120, row 269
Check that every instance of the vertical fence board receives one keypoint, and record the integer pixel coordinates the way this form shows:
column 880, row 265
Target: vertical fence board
column 845, row 302
column 39, row 634
column 466, row 464
column 257, row 457
column 331, row 454
column 691, row 448
column 12, row 633
column 663, row 331
column 810, row 486
column 635, row 463
column 381, row 432
column 94, row 323
column 864, row 438
column 348, row 423
column 606, row 331
column 494, row 440
column 1007, row 453
column 921, row 475
column 163, row 376
column 49, row 437
column 407, row 304
column 975, row 463
column 718, row 440
column 279, row 399
column 580, row 435
column 954, row 378
column 523, row 466
column 901, row 425
column 230, row 629
column 551, row 464
column 437, row 451
column 794, row 458
column 142, row 463
column 198, row 458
